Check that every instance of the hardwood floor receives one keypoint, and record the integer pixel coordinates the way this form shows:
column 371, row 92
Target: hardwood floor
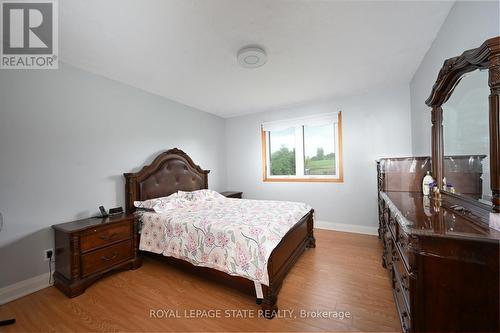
column 343, row 273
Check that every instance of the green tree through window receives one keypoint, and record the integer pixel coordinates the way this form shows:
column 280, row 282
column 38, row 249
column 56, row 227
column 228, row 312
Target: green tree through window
column 283, row 162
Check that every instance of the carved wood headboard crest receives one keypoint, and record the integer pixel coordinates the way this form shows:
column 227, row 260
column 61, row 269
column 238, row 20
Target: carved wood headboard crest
column 171, row 171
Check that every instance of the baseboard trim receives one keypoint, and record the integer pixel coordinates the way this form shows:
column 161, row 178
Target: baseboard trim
column 358, row 229
column 23, row 288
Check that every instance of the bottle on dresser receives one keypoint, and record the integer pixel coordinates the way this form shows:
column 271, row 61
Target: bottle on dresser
column 427, row 181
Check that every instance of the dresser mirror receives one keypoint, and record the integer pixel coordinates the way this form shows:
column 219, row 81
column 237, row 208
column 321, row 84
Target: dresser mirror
column 465, row 102
column 466, row 139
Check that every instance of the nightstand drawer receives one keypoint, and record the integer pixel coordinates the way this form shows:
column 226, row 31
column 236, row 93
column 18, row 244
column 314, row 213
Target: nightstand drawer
column 100, row 236
column 106, row 257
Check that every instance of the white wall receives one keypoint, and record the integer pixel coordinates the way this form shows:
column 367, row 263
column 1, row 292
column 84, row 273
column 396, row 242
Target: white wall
column 467, row 26
column 375, row 124
column 66, row 138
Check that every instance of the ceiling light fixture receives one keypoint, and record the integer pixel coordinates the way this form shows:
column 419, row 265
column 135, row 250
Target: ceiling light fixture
column 252, row 57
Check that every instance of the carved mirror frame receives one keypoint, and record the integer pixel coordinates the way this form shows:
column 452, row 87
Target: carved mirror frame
column 487, row 56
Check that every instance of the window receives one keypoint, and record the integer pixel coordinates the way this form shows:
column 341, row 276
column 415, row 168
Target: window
column 282, row 145
column 303, row 149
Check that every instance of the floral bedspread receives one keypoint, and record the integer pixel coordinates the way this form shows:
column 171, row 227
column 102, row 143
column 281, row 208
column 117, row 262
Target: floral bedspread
column 235, row 236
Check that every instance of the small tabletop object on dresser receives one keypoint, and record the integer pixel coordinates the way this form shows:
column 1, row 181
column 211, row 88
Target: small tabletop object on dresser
column 87, row 249
column 232, row 194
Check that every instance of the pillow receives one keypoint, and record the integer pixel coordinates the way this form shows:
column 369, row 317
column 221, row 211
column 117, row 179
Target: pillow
column 171, row 202
column 200, row 195
column 151, row 203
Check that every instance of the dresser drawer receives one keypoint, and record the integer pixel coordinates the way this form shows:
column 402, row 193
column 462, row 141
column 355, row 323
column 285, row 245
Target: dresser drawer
column 388, row 248
column 403, row 246
column 381, row 209
column 100, row 236
column 101, row 259
column 392, row 224
column 403, row 278
column 403, row 311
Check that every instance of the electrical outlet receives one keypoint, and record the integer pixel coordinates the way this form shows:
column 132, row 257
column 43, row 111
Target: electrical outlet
column 49, row 254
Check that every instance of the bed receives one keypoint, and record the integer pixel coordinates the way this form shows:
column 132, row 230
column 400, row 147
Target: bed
column 174, row 171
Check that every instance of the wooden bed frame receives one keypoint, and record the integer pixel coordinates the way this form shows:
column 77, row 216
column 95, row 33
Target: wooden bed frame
column 174, row 170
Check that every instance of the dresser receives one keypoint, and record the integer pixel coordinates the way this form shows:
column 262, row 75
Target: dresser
column 442, row 252
column 442, row 259
column 400, row 174
column 87, row 249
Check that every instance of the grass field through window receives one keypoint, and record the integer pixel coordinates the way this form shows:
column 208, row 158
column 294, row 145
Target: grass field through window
column 320, row 167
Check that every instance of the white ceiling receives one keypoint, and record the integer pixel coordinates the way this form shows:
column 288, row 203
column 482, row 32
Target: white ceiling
column 185, row 50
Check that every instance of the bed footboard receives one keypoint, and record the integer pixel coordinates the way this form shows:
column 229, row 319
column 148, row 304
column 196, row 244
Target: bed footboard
column 282, row 259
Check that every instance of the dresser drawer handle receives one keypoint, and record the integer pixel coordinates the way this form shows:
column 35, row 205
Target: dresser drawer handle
column 106, row 237
column 104, row 258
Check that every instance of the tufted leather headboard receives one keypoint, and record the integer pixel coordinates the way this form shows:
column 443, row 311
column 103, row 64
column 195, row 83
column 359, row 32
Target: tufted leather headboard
column 171, row 171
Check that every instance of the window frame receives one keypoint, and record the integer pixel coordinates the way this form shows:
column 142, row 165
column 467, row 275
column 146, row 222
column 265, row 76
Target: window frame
column 300, row 159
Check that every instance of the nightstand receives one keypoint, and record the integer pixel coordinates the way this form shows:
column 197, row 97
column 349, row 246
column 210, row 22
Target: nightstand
column 87, row 249
column 232, row 194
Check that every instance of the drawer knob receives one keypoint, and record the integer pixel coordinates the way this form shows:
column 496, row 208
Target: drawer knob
column 104, row 258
